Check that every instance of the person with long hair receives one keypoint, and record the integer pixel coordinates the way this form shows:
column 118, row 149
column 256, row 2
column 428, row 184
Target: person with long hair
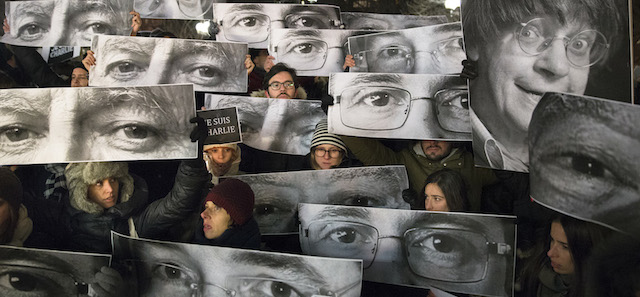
column 561, row 270
column 445, row 190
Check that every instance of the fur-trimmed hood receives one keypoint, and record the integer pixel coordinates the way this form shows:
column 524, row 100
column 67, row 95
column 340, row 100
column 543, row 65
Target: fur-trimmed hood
column 302, row 93
column 80, row 175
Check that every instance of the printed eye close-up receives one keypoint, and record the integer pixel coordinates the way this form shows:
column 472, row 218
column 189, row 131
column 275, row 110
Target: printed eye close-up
column 269, row 287
column 374, row 107
column 358, row 199
column 246, row 26
column 392, row 59
column 343, row 239
column 201, row 70
column 452, row 107
column 26, row 281
column 447, row 254
column 19, row 135
column 166, row 279
column 33, row 31
column 309, row 53
column 307, row 20
column 125, row 70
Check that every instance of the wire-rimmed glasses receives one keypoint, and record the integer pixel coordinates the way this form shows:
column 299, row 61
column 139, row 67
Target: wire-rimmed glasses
column 387, row 108
column 251, row 26
column 445, row 254
column 584, row 49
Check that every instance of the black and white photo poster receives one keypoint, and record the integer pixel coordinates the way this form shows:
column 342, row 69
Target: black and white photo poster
column 456, row 252
column 175, row 9
column 275, row 125
column 131, row 61
column 61, row 125
column 36, row 272
column 65, row 22
column 311, row 52
column 380, row 21
column 520, row 51
column 254, row 22
column 434, row 49
column 277, row 194
column 401, row 106
column 585, row 160
column 171, row 269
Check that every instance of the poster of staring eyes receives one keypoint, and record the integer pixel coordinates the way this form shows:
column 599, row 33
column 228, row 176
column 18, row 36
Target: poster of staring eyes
column 129, row 61
column 65, row 22
column 275, row 125
column 456, row 252
column 434, row 49
column 160, row 269
column 585, row 160
column 61, row 125
column 311, row 52
column 175, row 9
column 254, row 22
column 520, row 52
column 277, row 194
column 35, row 272
column 399, row 106
column 383, row 21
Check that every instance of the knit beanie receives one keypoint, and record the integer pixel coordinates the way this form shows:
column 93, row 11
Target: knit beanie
column 10, row 188
column 236, row 197
column 322, row 136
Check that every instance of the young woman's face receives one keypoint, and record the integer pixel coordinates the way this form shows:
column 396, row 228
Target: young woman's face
column 435, row 199
column 327, row 156
column 220, row 155
column 559, row 253
column 216, row 220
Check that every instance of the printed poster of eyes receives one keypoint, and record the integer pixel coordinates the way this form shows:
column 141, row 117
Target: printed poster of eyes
column 456, row 252
column 65, row 22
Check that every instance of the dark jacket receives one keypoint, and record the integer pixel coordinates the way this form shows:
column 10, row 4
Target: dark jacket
column 90, row 232
column 37, row 68
column 243, row 236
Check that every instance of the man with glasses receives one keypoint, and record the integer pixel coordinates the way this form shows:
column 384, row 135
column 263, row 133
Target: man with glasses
column 281, row 82
column 467, row 253
column 523, row 50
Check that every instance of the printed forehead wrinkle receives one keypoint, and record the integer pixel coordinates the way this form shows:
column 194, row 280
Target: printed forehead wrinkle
column 377, row 78
column 293, row 33
column 288, row 265
column 344, row 213
column 142, row 46
column 246, row 7
column 18, row 102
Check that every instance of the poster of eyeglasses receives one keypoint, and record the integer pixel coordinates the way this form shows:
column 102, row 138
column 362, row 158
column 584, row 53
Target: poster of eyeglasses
column 35, row 272
column 176, row 269
column 585, row 160
column 277, row 194
column 65, row 22
column 275, row 125
column 379, row 21
column 130, row 61
column 399, row 106
column 175, row 9
column 569, row 46
column 61, row 125
column 254, row 22
column 434, row 49
column 456, row 252
column 312, row 52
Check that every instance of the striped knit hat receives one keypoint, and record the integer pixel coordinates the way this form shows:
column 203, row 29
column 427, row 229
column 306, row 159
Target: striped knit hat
column 322, row 136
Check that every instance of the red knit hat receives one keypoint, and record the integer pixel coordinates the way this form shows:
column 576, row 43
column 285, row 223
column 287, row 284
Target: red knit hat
column 236, row 197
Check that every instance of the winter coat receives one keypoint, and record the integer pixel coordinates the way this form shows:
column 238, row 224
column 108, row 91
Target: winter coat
column 89, row 231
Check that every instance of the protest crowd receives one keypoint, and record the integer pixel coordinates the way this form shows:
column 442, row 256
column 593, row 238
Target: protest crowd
column 498, row 162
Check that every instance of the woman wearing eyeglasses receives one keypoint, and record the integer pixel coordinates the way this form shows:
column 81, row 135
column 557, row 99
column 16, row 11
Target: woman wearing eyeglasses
column 327, row 150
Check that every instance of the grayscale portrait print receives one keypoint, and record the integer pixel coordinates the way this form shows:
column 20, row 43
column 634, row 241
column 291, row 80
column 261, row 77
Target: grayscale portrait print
column 432, row 49
column 270, row 124
column 378, row 21
column 520, row 52
column 456, row 252
column 34, row 272
column 65, row 22
column 401, row 106
column 254, row 22
column 277, row 194
column 61, row 125
column 311, row 52
column 175, row 9
column 585, row 160
column 132, row 61
column 170, row 269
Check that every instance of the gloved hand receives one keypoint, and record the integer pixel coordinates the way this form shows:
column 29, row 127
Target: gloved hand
column 469, row 70
column 199, row 134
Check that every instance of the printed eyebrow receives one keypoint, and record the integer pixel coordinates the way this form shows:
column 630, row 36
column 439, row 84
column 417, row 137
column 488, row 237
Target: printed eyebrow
column 295, row 9
column 292, row 34
column 142, row 48
column 85, row 6
column 453, row 221
column 377, row 78
column 245, row 7
column 341, row 213
column 290, row 266
column 18, row 102
column 448, row 28
column 41, row 10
